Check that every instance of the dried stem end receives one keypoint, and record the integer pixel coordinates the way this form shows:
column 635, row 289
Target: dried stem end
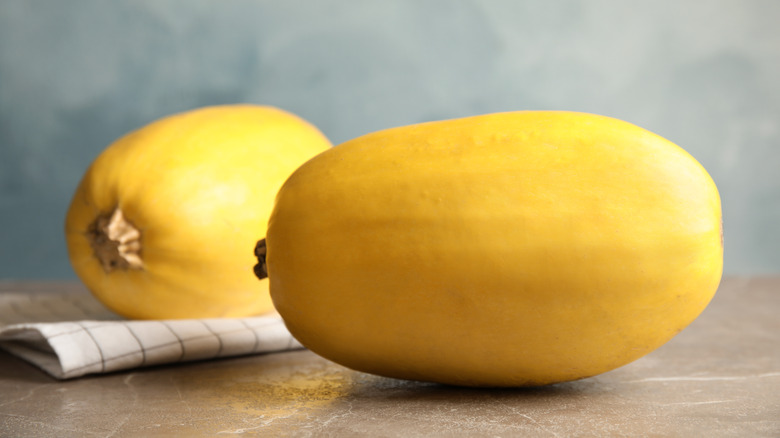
column 116, row 242
column 261, row 269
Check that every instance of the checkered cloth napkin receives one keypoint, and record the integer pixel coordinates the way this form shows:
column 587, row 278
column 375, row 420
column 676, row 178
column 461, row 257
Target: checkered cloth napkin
column 71, row 334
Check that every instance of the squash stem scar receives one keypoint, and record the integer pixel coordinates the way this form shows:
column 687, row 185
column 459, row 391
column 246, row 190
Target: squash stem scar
column 261, row 269
column 115, row 241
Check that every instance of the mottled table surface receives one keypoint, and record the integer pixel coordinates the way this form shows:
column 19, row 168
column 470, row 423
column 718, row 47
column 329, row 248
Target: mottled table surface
column 719, row 377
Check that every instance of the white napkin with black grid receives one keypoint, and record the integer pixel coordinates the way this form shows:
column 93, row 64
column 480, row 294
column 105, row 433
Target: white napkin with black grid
column 71, row 334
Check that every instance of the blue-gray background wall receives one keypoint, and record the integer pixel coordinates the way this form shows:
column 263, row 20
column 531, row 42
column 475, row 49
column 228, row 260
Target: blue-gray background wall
column 77, row 74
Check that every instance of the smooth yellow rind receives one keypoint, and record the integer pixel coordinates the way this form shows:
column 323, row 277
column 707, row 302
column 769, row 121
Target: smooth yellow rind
column 510, row 249
column 199, row 186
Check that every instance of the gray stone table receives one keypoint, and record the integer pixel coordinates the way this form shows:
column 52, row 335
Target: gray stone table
column 719, row 377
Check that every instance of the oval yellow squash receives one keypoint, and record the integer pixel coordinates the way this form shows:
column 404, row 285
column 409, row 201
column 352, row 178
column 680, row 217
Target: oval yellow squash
column 159, row 224
column 509, row 249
